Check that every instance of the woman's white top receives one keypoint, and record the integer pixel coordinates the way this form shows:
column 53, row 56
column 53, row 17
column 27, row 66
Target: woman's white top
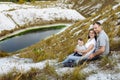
column 90, row 42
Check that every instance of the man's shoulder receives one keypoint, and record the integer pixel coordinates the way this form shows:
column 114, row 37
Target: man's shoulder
column 103, row 34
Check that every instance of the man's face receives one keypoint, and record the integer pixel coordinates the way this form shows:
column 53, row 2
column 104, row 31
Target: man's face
column 97, row 28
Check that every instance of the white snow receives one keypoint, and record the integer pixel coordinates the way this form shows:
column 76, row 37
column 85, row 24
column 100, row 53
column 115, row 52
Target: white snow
column 114, row 7
column 84, row 7
column 4, row 7
column 96, row 6
column 12, row 15
column 32, row 16
column 102, row 21
column 95, row 18
column 91, row 27
column 12, row 6
column 6, row 23
column 104, row 76
column 76, row 28
column 64, row 70
column 76, row 33
column 21, row 64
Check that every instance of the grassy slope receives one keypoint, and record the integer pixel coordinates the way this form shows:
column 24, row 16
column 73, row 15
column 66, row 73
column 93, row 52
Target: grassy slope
column 63, row 44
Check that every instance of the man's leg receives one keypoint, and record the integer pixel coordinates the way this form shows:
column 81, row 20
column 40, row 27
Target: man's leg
column 95, row 58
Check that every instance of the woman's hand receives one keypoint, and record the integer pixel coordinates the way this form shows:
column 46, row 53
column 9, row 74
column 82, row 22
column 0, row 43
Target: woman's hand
column 84, row 52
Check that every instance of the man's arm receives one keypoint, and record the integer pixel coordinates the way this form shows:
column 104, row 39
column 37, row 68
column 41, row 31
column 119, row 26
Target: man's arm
column 98, row 52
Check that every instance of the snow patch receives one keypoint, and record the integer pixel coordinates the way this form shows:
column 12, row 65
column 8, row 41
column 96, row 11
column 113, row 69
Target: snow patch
column 62, row 71
column 97, row 6
column 104, row 76
column 21, row 64
column 25, row 15
column 114, row 7
column 6, row 23
column 76, row 33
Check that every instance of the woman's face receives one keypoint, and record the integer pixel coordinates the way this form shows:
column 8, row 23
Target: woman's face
column 91, row 34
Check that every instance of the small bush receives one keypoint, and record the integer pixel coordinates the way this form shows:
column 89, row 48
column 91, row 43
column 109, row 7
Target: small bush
column 107, row 63
column 50, row 70
column 77, row 74
column 3, row 54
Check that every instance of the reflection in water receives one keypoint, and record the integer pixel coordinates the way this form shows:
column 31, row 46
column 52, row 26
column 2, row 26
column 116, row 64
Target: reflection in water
column 19, row 42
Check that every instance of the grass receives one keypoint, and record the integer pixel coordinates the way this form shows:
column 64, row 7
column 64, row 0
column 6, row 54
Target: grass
column 61, row 45
column 66, row 41
column 44, row 4
column 41, row 29
column 47, row 73
column 3, row 54
column 77, row 74
column 107, row 63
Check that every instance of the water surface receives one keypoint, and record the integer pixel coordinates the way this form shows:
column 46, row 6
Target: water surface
column 20, row 42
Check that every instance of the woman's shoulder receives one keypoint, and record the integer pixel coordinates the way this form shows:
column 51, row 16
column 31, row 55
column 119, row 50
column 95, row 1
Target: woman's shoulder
column 93, row 40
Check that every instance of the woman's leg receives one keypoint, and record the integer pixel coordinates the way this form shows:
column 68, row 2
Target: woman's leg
column 83, row 58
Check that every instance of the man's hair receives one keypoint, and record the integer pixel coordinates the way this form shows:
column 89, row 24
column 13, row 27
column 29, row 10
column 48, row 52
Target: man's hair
column 80, row 39
column 98, row 23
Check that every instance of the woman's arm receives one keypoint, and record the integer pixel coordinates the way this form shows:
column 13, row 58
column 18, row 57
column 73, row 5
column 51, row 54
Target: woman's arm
column 88, row 49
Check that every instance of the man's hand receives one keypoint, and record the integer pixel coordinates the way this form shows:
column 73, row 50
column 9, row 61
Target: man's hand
column 98, row 52
column 91, row 56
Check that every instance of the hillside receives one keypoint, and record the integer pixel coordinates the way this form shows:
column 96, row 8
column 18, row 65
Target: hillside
column 60, row 45
column 109, row 16
column 14, row 17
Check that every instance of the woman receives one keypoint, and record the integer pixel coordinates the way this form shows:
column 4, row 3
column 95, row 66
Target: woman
column 90, row 48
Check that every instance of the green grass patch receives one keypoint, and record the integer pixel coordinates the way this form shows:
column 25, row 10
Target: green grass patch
column 34, row 30
column 41, row 29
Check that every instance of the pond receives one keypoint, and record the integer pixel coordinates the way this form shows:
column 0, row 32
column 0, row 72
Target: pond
column 22, row 41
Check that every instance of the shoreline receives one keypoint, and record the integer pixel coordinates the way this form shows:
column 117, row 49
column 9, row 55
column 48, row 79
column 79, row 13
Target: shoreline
column 30, row 28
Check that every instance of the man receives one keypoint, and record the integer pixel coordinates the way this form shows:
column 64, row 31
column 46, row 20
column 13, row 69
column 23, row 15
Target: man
column 102, row 45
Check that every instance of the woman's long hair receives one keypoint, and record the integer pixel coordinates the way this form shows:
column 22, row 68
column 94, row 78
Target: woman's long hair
column 94, row 33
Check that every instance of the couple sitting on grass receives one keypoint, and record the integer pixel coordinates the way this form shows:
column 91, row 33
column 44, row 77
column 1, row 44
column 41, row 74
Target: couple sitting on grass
column 96, row 46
